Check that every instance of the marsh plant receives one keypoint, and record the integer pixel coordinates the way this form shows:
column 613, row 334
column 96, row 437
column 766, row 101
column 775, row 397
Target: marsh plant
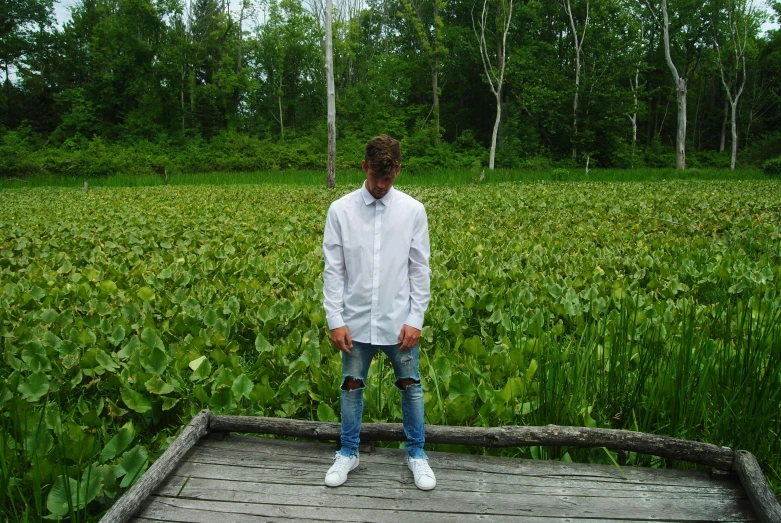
column 652, row 307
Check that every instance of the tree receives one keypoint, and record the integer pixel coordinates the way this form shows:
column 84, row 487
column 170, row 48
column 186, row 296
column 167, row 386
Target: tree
column 504, row 13
column 740, row 14
column 635, row 50
column 689, row 32
column 680, row 92
column 429, row 36
column 578, row 51
column 20, row 22
column 329, row 72
column 288, row 61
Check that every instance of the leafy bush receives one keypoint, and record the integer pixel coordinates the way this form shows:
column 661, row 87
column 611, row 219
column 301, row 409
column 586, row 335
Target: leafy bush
column 772, row 167
column 763, row 149
column 708, row 159
column 421, row 155
column 658, row 155
column 628, row 158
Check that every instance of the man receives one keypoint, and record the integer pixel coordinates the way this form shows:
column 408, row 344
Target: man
column 376, row 290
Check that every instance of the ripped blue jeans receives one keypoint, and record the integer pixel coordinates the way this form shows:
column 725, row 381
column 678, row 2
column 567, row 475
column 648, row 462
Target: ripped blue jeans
column 405, row 365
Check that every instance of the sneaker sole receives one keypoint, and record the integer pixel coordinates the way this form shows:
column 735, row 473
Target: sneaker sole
column 432, row 487
column 345, row 477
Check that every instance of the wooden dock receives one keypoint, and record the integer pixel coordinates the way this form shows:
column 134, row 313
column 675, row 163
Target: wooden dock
column 215, row 476
column 246, row 479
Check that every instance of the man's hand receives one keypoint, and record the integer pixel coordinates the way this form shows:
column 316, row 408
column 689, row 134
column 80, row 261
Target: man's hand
column 409, row 337
column 341, row 339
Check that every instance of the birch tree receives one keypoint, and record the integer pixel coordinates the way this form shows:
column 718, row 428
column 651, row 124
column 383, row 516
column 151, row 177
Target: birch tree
column 578, row 53
column 680, row 92
column 634, row 86
column 739, row 15
column 495, row 74
column 329, row 73
column 636, row 52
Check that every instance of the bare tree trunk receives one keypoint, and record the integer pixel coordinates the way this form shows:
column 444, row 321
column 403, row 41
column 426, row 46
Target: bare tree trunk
column 723, row 140
column 329, row 72
column 496, row 130
column 680, row 139
column 744, row 11
column 239, row 56
column 633, row 118
column 281, row 122
column 495, row 81
column 734, row 138
column 578, row 51
column 680, row 91
column 650, row 123
column 7, row 96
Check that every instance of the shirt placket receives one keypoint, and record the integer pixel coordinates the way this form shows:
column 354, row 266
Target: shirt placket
column 378, row 208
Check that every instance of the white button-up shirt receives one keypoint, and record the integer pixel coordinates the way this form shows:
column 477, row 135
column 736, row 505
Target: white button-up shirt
column 376, row 276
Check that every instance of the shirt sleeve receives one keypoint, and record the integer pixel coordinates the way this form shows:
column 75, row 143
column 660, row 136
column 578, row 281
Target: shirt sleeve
column 419, row 271
column 334, row 273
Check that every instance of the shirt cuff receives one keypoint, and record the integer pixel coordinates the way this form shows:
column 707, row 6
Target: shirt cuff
column 413, row 320
column 335, row 321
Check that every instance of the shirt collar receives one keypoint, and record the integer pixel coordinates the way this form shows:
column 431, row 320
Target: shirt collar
column 368, row 199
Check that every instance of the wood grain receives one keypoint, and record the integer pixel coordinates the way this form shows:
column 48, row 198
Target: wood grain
column 248, row 479
column 509, row 436
column 129, row 503
column 765, row 503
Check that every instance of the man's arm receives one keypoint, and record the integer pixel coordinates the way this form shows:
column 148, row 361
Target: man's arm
column 419, row 278
column 333, row 282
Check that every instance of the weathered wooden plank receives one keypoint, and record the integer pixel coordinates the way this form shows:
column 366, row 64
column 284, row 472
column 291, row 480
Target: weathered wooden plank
column 392, row 477
column 151, row 479
column 196, row 511
column 205, row 466
column 395, row 478
column 756, row 485
column 509, row 436
column 445, row 502
column 242, row 447
column 359, row 485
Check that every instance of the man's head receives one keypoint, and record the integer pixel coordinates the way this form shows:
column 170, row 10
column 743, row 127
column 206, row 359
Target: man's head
column 381, row 164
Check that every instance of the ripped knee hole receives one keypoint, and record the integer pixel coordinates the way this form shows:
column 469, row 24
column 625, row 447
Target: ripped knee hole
column 403, row 383
column 350, row 383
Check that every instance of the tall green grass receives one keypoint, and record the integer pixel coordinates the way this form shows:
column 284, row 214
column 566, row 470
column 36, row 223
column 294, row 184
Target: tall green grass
column 712, row 377
column 355, row 177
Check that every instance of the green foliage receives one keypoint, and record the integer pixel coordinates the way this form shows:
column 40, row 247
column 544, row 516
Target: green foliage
column 659, row 156
column 647, row 306
column 136, row 86
column 772, row 167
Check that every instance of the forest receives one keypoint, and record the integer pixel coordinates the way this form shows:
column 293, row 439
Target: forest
column 143, row 86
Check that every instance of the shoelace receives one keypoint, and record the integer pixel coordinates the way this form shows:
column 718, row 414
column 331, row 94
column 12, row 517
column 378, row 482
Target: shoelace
column 341, row 463
column 421, row 466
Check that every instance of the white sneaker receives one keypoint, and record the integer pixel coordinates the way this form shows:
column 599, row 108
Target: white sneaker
column 342, row 466
column 424, row 476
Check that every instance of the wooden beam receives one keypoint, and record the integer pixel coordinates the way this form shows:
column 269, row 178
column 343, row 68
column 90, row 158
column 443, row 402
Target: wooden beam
column 509, row 436
column 762, row 498
column 131, row 500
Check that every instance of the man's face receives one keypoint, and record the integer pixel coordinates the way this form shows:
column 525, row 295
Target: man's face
column 378, row 186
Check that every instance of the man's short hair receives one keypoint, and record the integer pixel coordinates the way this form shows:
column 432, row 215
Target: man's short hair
column 383, row 155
